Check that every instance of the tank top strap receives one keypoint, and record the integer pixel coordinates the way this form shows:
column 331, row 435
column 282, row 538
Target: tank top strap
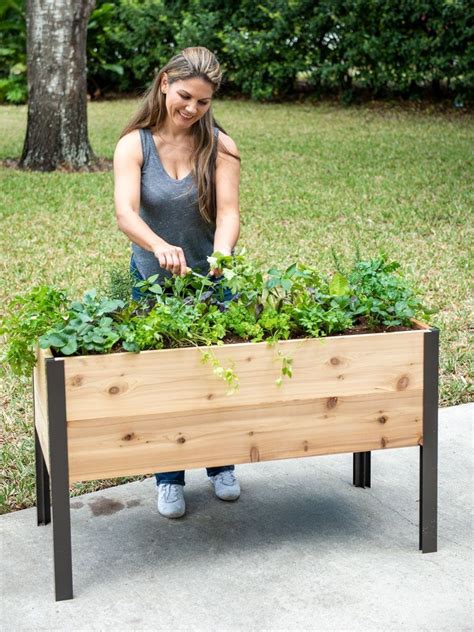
column 146, row 140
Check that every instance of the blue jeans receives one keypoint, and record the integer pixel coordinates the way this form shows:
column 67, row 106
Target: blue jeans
column 137, row 295
column 178, row 476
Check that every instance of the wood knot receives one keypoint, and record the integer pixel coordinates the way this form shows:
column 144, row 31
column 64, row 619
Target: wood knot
column 251, row 433
column 249, row 359
column 305, row 446
column 340, row 377
column 254, row 454
column 129, row 436
column 180, row 440
column 210, row 396
column 335, row 361
column 382, row 419
column 113, row 390
column 331, row 403
column 383, row 442
column 76, row 380
column 402, row 383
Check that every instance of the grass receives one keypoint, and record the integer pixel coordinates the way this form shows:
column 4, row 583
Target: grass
column 313, row 177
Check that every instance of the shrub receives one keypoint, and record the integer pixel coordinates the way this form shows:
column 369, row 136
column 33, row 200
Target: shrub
column 344, row 46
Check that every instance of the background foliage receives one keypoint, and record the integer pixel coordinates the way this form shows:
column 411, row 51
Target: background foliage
column 12, row 52
column 272, row 49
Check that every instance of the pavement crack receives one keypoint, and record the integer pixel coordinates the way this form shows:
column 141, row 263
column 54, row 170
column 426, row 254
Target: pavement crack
column 444, row 538
column 381, row 502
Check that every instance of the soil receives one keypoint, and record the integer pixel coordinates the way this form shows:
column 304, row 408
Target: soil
column 358, row 329
column 363, row 328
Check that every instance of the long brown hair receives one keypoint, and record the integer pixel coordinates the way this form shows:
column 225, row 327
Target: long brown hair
column 195, row 61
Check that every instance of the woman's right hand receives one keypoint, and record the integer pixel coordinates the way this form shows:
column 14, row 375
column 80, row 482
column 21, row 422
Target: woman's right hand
column 171, row 258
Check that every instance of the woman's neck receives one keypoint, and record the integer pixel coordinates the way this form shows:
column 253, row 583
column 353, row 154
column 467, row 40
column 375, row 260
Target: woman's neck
column 171, row 133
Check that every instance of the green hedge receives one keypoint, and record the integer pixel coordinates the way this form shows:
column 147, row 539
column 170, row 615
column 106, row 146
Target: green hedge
column 12, row 52
column 270, row 50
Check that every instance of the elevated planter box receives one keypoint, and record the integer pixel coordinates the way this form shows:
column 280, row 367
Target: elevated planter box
column 123, row 414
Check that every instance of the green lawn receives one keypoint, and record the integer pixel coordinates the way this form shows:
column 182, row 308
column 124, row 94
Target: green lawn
column 313, row 177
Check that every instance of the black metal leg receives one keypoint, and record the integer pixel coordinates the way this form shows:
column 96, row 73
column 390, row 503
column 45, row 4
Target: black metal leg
column 367, row 469
column 429, row 449
column 43, row 500
column 420, row 521
column 59, row 479
column 356, row 469
column 361, row 469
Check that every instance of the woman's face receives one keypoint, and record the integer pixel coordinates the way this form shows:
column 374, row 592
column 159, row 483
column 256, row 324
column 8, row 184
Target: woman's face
column 186, row 100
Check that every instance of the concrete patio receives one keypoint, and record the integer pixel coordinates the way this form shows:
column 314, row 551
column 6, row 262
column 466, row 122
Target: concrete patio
column 302, row 549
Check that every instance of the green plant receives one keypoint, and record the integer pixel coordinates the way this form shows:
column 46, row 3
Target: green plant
column 26, row 318
column 13, row 85
column 118, row 283
column 286, row 367
column 89, row 327
column 226, row 373
column 242, row 322
column 349, row 47
column 278, row 305
column 382, row 295
column 13, row 88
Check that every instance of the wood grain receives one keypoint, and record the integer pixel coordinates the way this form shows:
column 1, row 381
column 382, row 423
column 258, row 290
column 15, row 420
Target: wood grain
column 41, row 401
column 119, row 446
column 175, row 380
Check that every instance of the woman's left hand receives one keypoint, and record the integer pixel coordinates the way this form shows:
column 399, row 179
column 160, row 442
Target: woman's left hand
column 216, row 272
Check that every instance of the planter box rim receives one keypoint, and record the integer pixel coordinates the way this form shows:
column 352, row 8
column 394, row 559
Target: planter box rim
column 419, row 326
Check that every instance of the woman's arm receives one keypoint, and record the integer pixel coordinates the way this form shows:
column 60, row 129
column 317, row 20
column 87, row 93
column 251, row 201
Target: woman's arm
column 227, row 198
column 128, row 160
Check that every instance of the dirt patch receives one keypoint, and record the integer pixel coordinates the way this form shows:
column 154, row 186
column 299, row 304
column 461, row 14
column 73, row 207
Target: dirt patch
column 133, row 503
column 99, row 164
column 105, row 506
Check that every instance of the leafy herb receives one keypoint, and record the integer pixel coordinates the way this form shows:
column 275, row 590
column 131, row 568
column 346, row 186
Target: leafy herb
column 89, row 327
column 190, row 311
column 26, row 318
column 118, row 284
column 382, row 295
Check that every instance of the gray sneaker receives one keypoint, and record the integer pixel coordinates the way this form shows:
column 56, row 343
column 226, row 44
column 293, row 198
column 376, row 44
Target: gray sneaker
column 171, row 500
column 226, row 486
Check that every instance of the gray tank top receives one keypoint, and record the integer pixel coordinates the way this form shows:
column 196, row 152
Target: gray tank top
column 170, row 208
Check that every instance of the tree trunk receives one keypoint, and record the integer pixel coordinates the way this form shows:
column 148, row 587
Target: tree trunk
column 56, row 133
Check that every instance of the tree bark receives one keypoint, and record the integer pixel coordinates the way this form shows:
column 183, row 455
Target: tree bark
column 56, row 134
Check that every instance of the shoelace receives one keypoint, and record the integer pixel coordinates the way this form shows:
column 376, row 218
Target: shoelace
column 170, row 492
column 227, row 477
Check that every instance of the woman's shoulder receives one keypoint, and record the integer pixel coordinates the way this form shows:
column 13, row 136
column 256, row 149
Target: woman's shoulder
column 225, row 143
column 131, row 138
column 130, row 145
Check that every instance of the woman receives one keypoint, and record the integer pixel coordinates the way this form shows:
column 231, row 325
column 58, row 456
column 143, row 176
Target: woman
column 177, row 199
